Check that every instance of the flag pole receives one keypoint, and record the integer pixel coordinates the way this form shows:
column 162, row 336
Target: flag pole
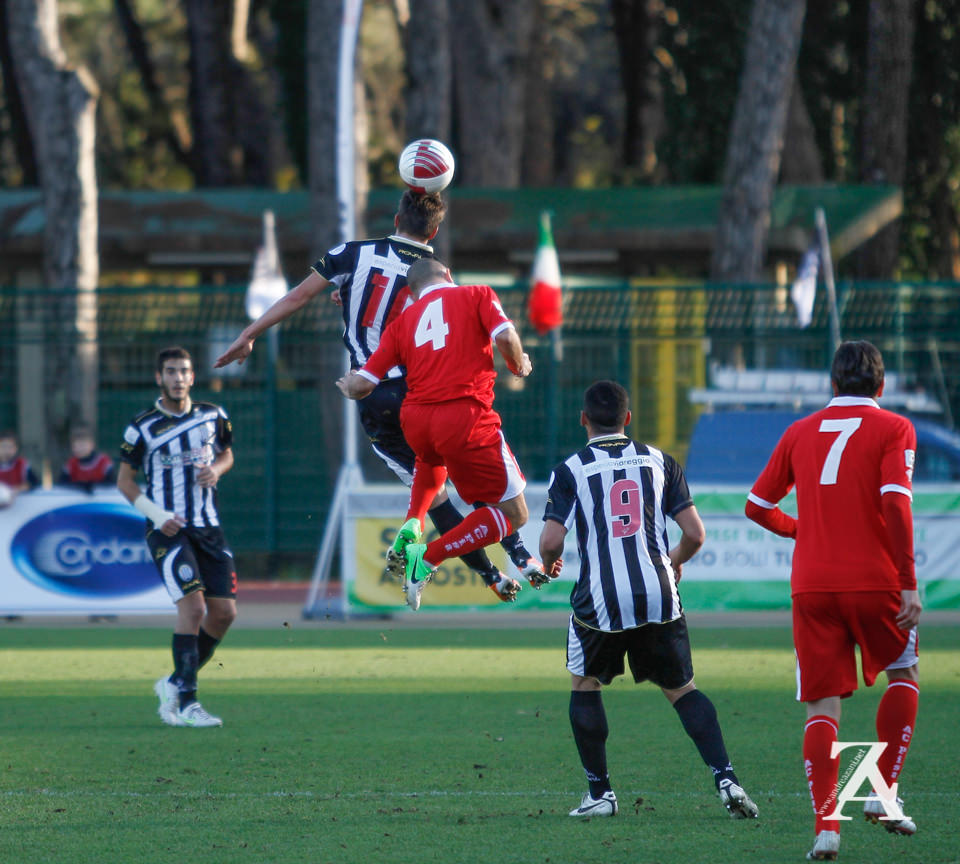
column 319, row 600
column 824, row 240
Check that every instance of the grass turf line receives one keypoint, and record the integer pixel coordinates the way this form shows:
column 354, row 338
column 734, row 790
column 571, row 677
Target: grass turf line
column 421, row 746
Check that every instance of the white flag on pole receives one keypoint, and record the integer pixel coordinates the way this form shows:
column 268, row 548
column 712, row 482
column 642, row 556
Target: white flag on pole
column 267, row 284
column 804, row 288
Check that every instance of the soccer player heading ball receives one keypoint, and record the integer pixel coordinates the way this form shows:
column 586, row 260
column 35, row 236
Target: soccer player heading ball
column 368, row 280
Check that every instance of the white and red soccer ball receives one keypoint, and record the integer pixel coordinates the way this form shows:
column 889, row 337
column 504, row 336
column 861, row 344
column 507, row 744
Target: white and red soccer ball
column 426, row 166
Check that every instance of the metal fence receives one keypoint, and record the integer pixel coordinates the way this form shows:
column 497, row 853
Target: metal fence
column 661, row 341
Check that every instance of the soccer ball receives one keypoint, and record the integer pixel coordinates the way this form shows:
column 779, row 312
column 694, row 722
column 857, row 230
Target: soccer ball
column 426, row 166
column 6, row 495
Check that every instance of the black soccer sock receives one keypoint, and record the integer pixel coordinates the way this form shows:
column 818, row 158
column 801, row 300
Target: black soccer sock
column 518, row 553
column 699, row 719
column 206, row 645
column 446, row 517
column 589, row 723
column 185, row 666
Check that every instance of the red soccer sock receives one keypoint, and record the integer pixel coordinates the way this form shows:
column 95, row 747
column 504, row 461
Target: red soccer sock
column 818, row 737
column 428, row 480
column 896, row 718
column 481, row 528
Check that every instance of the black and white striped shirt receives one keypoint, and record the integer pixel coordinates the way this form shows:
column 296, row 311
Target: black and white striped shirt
column 372, row 278
column 171, row 448
column 619, row 494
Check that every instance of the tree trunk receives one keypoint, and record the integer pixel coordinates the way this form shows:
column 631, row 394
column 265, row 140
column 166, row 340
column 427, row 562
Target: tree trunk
column 232, row 140
column 176, row 135
column 800, row 162
column 20, row 130
column 208, row 28
column 637, row 30
column 429, row 91
column 756, row 139
column 537, row 166
column 491, row 45
column 884, row 132
column 60, row 104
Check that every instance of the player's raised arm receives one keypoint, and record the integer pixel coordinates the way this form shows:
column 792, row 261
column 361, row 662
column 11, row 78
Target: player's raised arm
column 509, row 345
column 293, row 301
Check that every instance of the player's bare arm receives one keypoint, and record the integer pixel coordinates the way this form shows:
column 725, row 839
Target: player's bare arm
column 691, row 539
column 209, row 475
column 242, row 346
column 169, row 523
column 551, row 547
column 509, row 345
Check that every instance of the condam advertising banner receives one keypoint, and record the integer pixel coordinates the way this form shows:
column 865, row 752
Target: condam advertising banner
column 65, row 551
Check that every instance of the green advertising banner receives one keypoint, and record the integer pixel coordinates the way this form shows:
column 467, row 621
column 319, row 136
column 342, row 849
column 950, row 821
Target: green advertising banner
column 740, row 567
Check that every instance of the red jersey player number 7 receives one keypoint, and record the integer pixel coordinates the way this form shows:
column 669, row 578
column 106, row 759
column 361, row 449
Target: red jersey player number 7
column 853, row 579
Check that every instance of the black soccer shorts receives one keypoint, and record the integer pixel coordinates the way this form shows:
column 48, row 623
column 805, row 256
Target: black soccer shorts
column 656, row 652
column 380, row 418
column 194, row 559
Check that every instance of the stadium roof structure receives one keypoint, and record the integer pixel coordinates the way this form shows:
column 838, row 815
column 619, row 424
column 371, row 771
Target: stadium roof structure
column 616, row 232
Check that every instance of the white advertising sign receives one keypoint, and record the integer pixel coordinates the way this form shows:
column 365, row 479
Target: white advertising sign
column 67, row 551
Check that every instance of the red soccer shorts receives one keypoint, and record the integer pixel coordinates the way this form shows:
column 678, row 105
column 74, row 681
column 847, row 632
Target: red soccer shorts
column 826, row 628
column 465, row 437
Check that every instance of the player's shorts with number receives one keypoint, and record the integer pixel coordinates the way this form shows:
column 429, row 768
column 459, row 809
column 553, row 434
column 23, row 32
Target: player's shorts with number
column 466, row 438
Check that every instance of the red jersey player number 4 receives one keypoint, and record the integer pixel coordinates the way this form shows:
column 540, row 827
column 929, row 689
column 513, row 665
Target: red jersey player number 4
column 443, row 340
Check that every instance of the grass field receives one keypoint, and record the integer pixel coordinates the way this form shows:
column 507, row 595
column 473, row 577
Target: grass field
column 402, row 745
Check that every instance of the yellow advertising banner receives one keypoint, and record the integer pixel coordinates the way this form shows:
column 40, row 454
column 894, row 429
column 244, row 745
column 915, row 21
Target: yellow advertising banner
column 454, row 584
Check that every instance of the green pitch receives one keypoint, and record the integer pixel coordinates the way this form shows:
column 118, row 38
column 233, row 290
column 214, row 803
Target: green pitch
column 400, row 745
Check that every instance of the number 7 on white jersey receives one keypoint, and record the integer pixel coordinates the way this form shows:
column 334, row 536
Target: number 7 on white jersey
column 831, row 465
column 431, row 327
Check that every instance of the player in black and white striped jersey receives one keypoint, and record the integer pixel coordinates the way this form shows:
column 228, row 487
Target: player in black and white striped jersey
column 368, row 280
column 184, row 448
column 619, row 493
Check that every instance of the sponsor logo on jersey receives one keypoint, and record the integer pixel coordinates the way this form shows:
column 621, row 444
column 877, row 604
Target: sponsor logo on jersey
column 194, row 456
column 86, row 550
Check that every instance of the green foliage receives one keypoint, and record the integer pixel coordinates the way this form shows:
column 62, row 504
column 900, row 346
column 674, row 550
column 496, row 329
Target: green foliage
column 386, row 743
column 705, row 44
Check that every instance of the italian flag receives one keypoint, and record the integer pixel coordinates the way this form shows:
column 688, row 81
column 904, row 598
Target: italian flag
column 544, row 306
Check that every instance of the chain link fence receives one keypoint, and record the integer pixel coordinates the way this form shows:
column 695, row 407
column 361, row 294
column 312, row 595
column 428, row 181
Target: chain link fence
column 660, row 341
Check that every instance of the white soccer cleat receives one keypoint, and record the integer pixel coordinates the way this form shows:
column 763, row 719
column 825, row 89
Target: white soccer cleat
column 825, row 847
column 605, row 805
column 169, row 695
column 416, row 574
column 532, row 571
column 506, row 588
column 195, row 715
column 737, row 802
column 873, row 811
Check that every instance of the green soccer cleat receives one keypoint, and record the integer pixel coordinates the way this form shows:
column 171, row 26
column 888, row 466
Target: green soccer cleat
column 416, row 573
column 410, row 532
